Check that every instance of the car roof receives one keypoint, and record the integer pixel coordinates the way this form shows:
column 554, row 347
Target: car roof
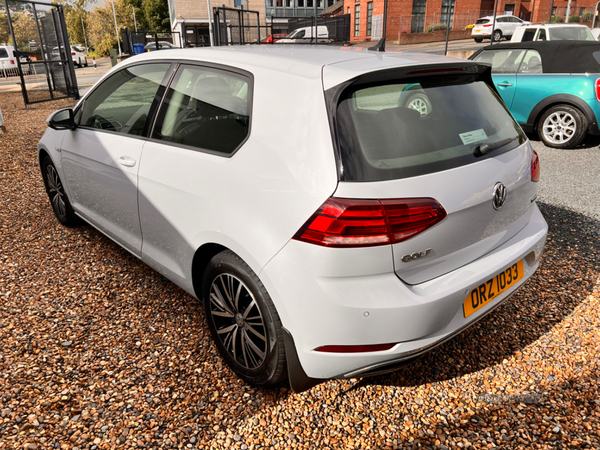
column 497, row 16
column 560, row 56
column 553, row 25
column 310, row 61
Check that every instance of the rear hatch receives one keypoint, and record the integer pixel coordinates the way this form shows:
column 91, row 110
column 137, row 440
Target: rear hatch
column 441, row 135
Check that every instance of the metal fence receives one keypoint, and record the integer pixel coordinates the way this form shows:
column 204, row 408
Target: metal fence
column 135, row 42
column 338, row 27
column 42, row 51
column 237, row 27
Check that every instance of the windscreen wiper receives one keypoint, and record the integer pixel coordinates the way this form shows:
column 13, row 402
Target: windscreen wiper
column 484, row 149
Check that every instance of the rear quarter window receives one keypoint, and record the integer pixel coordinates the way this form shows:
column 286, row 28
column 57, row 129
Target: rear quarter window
column 3, row 53
column 399, row 130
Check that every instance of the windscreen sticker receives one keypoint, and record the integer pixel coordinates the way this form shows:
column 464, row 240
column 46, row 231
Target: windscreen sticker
column 473, row 136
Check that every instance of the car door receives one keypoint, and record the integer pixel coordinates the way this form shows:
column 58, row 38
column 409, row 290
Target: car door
column 203, row 120
column 101, row 156
column 505, row 64
column 532, row 86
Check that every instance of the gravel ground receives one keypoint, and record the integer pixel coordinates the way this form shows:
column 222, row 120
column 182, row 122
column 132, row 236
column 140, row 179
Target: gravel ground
column 98, row 351
column 570, row 177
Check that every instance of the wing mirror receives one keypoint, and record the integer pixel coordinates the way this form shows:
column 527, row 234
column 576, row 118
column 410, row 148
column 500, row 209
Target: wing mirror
column 63, row 119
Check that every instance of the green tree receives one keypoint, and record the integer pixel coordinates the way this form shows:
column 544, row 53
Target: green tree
column 4, row 33
column 101, row 28
column 75, row 10
column 25, row 30
column 157, row 15
column 140, row 17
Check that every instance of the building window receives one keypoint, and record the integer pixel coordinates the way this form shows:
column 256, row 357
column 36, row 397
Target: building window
column 369, row 17
column 348, row 10
column 554, row 11
column 509, row 9
column 356, row 20
column 581, row 11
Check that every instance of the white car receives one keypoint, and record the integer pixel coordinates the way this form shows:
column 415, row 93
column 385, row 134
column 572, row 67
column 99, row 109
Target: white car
column 306, row 35
column 552, row 32
column 77, row 55
column 504, row 27
column 341, row 239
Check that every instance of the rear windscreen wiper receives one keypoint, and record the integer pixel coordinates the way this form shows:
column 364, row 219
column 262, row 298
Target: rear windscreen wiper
column 484, row 149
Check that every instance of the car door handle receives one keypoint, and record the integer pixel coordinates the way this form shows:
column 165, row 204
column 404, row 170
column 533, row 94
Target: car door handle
column 504, row 84
column 127, row 161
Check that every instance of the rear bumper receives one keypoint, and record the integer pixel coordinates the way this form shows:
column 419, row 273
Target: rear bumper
column 379, row 308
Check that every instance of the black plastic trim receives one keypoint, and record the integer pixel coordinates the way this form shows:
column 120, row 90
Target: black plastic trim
column 299, row 381
column 557, row 99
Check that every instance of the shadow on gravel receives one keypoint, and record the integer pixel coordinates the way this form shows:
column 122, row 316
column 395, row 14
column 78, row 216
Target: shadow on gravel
column 590, row 141
column 570, row 266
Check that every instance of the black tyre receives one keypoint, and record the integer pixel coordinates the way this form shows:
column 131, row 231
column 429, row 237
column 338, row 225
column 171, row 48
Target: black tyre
column 497, row 36
column 243, row 321
column 86, row 63
column 56, row 193
column 478, row 40
column 562, row 126
column 420, row 102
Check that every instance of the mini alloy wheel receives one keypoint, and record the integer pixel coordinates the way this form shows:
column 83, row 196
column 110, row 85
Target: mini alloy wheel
column 562, row 126
column 419, row 102
column 497, row 36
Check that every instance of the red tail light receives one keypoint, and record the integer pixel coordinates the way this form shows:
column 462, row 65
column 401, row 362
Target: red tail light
column 485, row 26
column 598, row 89
column 342, row 222
column 535, row 167
column 354, row 348
column 72, row 53
column 12, row 62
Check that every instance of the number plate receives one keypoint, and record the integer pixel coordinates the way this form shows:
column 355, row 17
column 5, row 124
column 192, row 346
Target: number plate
column 477, row 31
column 488, row 291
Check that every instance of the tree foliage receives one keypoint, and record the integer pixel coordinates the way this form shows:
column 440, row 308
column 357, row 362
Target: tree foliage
column 101, row 29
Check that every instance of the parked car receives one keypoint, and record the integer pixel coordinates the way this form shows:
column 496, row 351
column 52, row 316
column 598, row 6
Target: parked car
column 8, row 62
column 273, row 38
column 162, row 45
column 504, row 27
column 552, row 32
column 552, row 88
column 77, row 55
column 306, row 35
column 338, row 240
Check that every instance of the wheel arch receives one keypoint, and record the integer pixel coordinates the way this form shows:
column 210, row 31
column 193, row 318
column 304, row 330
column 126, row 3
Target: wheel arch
column 562, row 99
column 200, row 261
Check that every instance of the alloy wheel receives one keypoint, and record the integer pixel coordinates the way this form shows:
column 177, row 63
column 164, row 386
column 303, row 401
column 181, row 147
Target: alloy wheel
column 420, row 105
column 238, row 321
column 55, row 191
column 559, row 127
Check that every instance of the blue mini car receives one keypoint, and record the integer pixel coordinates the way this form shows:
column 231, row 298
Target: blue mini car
column 552, row 88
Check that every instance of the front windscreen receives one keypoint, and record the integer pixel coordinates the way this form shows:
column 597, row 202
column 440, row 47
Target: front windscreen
column 396, row 130
column 571, row 34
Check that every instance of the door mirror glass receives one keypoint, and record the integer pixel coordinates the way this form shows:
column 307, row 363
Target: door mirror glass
column 63, row 119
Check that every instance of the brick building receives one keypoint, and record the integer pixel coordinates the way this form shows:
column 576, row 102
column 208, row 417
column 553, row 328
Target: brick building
column 414, row 16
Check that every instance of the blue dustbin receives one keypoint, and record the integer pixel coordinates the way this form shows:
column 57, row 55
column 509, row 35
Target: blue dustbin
column 138, row 48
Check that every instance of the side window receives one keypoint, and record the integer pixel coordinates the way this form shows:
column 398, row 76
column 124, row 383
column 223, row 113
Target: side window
column 206, row 108
column 122, row 102
column 528, row 35
column 503, row 61
column 532, row 63
column 541, row 35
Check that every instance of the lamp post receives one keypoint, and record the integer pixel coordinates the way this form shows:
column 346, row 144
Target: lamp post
column 84, row 38
column 116, row 28
column 134, row 21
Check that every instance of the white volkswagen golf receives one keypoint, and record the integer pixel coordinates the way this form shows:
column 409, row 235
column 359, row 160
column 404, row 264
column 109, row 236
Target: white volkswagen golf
column 338, row 212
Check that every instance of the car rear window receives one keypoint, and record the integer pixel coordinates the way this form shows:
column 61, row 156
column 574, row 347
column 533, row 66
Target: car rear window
column 571, row 34
column 397, row 130
column 482, row 21
column 3, row 53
